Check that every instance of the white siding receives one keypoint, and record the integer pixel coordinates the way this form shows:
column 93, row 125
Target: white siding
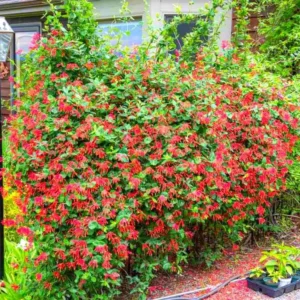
column 24, row 12
column 108, row 9
column 167, row 6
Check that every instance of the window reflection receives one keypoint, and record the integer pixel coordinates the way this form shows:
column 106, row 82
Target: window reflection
column 130, row 32
column 23, row 42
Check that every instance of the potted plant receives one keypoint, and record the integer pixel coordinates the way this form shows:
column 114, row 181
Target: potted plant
column 257, row 273
column 272, row 279
column 296, row 275
column 280, row 264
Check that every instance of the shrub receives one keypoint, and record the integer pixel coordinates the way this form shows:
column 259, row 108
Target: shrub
column 281, row 32
column 122, row 156
column 10, row 196
column 11, row 211
column 294, row 169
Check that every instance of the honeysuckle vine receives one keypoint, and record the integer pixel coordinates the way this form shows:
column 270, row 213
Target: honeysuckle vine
column 122, row 157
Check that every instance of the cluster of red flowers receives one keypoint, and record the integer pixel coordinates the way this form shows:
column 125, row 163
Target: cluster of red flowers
column 127, row 168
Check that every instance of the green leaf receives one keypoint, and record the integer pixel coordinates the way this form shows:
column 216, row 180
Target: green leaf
column 270, row 269
column 147, row 140
column 271, row 263
column 289, row 270
column 263, row 258
column 94, row 225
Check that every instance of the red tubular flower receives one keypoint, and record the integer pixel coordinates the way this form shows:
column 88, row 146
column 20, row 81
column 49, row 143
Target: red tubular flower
column 24, row 231
column 235, row 247
column 112, row 276
column 122, row 251
column 47, row 285
column 57, row 274
column 15, row 266
column 15, row 287
column 89, row 65
column 101, row 249
column 93, row 264
column 260, row 210
column 38, row 277
column 106, row 264
column 9, row 223
column 38, row 201
column 55, row 32
column 81, row 283
column 113, row 238
column 41, row 258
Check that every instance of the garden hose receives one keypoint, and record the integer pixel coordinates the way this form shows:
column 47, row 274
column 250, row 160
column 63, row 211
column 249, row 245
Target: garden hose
column 216, row 289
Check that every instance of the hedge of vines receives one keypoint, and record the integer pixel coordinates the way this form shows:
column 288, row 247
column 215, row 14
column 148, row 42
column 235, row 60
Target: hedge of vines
column 122, row 157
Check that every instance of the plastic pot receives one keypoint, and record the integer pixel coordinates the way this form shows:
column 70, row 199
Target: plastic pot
column 260, row 278
column 296, row 277
column 268, row 281
column 284, row 281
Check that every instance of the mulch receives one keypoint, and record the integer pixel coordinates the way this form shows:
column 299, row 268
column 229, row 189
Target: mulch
column 232, row 264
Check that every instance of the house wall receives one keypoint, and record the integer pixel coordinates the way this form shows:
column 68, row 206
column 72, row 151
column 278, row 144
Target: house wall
column 254, row 20
column 5, row 87
column 108, row 9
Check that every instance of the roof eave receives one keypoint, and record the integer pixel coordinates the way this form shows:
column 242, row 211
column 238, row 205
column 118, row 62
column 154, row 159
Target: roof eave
column 27, row 4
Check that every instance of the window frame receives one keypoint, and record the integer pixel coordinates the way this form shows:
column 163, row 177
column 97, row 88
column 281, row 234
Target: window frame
column 172, row 15
column 24, row 27
column 167, row 17
column 20, row 27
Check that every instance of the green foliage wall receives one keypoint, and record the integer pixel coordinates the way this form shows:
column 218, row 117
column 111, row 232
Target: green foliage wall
column 281, row 32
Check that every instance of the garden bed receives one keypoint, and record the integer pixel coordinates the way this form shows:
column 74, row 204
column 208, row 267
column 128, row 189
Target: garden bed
column 231, row 264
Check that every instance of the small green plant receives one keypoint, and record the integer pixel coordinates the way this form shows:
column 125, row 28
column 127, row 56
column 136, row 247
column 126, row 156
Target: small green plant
column 11, row 211
column 281, row 262
column 208, row 257
column 257, row 273
column 14, row 285
column 275, row 276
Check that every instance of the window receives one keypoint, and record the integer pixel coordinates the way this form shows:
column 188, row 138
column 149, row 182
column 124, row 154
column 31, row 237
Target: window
column 131, row 32
column 183, row 29
column 24, row 34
